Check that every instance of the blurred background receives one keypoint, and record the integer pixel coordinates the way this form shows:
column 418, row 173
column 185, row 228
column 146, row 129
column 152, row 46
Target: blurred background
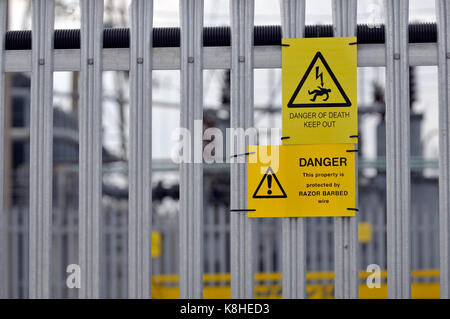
column 166, row 98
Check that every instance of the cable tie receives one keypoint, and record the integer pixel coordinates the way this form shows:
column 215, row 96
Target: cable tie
column 243, row 154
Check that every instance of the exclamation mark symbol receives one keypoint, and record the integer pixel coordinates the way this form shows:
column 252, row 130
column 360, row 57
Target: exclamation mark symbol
column 269, row 183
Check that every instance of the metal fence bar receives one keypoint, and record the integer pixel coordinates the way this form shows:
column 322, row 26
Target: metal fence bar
column 112, row 256
column 25, row 256
column 241, row 116
column 90, row 126
column 14, row 234
column 265, row 57
column 58, row 282
column 140, row 160
column 443, row 25
column 166, row 263
column 323, row 224
column 174, row 240
column 123, row 258
column 107, row 238
column 313, row 249
column 293, row 229
column 41, row 148
column 345, row 228
column 71, row 242
column 191, row 173
column 381, row 236
column 222, row 252
column 370, row 216
column 211, row 243
column 426, row 238
column 4, row 275
column 3, row 217
column 415, row 239
column 398, row 150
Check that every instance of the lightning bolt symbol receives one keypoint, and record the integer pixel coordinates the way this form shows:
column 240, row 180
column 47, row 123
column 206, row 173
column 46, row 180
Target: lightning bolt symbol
column 319, row 75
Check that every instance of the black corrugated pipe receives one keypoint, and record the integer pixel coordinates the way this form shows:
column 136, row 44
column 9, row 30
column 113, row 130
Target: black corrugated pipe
column 215, row 36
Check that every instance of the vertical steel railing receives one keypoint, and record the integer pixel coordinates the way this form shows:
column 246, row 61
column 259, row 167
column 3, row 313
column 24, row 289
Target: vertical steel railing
column 191, row 173
column 398, row 149
column 241, row 117
column 443, row 28
column 345, row 228
column 41, row 148
column 293, row 229
column 140, row 157
column 90, row 153
column 3, row 220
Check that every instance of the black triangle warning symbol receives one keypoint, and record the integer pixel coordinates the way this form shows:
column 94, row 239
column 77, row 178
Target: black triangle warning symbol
column 268, row 189
column 319, row 89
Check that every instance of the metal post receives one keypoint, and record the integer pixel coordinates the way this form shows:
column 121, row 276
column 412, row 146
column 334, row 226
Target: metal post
column 41, row 148
column 293, row 229
column 345, row 228
column 397, row 150
column 241, row 227
column 140, row 162
column 191, row 173
column 3, row 220
column 443, row 25
column 90, row 128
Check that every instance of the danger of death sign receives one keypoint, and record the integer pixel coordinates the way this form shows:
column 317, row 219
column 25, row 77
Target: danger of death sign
column 301, row 180
column 319, row 91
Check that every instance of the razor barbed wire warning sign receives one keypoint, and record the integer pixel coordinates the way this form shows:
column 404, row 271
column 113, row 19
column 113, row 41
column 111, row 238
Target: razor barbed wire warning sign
column 319, row 90
column 301, row 180
column 313, row 91
column 268, row 189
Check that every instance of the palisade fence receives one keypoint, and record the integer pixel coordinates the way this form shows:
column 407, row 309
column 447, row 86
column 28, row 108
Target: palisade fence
column 424, row 236
column 116, row 260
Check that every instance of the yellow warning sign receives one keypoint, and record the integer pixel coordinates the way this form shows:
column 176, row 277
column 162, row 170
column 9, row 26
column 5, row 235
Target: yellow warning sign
column 319, row 91
column 156, row 244
column 301, row 180
column 265, row 189
column 364, row 232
